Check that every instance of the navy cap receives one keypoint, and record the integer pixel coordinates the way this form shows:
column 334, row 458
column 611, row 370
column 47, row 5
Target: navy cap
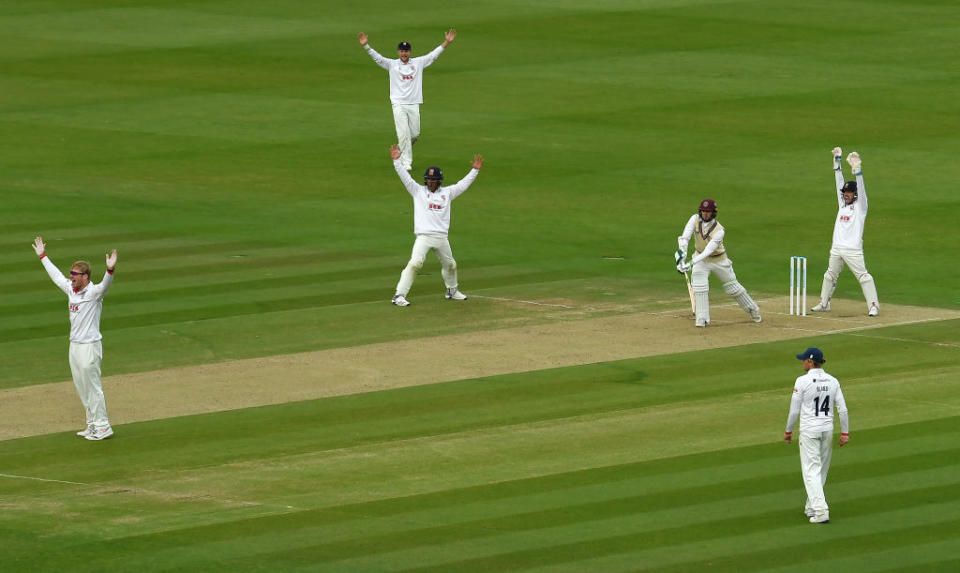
column 814, row 354
column 403, row 46
column 849, row 186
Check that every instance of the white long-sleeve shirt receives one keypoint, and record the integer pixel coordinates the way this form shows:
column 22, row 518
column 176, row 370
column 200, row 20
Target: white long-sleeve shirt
column 814, row 396
column 851, row 219
column 85, row 305
column 431, row 211
column 406, row 79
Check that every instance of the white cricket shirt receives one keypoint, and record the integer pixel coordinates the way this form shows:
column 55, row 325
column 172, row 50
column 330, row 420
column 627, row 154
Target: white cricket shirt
column 431, row 211
column 406, row 79
column 851, row 219
column 712, row 243
column 815, row 394
column 85, row 305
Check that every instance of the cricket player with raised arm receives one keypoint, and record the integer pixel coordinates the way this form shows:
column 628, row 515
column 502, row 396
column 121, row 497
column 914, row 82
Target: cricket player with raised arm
column 847, row 244
column 406, row 89
column 711, row 257
column 815, row 394
column 85, row 301
column 431, row 224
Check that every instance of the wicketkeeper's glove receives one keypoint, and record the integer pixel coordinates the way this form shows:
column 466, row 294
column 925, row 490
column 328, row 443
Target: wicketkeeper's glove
column 837, row 156
column 854, row 160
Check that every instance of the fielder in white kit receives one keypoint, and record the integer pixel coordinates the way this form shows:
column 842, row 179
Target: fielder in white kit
column 847, row 244
column 711, row 257
column 406, row 89
column 86, row 351
column 814, row 396
column 431, row 224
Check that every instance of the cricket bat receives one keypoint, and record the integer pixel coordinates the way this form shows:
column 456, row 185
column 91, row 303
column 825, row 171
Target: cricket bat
column 693, row 303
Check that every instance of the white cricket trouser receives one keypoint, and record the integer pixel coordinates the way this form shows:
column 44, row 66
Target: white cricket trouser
column 406, row 118
column 854, row 260
column 85, row 361
column 423, row 244
column 723, row 268
column 816, row 448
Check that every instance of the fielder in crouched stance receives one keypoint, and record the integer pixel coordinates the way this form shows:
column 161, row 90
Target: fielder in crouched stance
column 814, row 396
column 711, row 257
column 847, row 244
column 86, row 351
column 431, row 224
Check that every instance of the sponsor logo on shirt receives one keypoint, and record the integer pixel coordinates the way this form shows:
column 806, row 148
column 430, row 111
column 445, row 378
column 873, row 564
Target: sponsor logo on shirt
column 845, row 218
column 74, row 308
column 435, row 207
column 406, row 77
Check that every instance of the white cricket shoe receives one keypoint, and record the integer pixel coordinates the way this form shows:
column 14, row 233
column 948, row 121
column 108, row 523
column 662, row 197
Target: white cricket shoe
column 100, row 433
column 400, row 300
column 821, row 307
column 755, row 315
column 821, row 517
column 874, row 310
column 454, row 294
column 86, row 432
column 701, row 323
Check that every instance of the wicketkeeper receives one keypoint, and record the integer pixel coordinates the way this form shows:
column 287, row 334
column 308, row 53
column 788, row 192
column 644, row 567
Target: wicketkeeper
column 711, row 257
column 847, row 244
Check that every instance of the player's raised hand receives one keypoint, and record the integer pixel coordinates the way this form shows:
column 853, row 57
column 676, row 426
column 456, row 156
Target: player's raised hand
column 39, row 247
column 112, row 260
column 450, row 35
column 395, row 152
column 854, row 160
column 837, row 156
column 363, row 38
column 477, row 161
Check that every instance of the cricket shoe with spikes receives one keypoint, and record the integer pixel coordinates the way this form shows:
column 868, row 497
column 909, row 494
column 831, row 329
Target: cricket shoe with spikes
column 821, row 307
column 454, row 294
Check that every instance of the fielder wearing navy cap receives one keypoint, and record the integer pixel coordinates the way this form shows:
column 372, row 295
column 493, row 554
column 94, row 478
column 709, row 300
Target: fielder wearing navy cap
column 403, row 46
column 814, row 354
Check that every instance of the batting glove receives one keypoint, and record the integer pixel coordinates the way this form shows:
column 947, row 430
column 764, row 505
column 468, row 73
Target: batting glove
column 837, row 156
column 679, row 256
column 854, row 160
column 683, row 267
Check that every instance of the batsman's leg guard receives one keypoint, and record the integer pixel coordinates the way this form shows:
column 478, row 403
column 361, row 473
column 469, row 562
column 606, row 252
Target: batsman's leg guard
column 701, row 294
column 740, row 294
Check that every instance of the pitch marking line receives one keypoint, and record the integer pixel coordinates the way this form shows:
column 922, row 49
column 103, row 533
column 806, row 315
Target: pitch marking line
column 41, row 479
column 522, row 301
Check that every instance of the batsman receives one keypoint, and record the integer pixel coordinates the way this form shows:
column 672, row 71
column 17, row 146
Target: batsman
column 711, row 257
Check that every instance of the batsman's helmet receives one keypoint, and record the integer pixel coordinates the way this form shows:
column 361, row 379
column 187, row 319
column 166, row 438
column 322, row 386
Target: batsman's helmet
column 850, row 186
column 433, row 173
column 708, row 205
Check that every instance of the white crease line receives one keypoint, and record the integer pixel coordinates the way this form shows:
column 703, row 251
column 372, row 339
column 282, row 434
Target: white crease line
column 522, row 301
column 42, row 479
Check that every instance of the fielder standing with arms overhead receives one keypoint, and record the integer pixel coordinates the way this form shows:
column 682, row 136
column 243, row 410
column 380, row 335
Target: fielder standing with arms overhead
column 86, row 351
column 711, row 257
column 814, row 396
column 431, row 224
column 406, row 89
column 847, row 244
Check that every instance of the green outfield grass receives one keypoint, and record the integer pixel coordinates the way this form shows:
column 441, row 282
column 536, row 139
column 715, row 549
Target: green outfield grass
column 236, row 155
column 644, row 463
